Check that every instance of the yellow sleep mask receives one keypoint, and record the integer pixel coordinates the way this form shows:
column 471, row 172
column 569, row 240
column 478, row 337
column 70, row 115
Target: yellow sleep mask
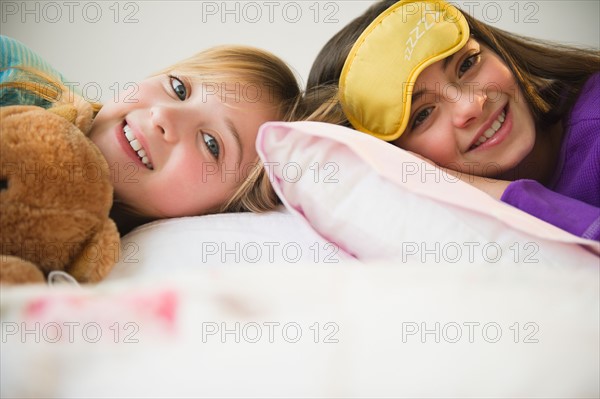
column 379, row 74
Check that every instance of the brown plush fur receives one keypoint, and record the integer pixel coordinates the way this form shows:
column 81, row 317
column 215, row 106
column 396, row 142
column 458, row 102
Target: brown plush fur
column 55, row 196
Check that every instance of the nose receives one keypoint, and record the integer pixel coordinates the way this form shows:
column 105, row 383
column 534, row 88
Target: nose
column 168, row 122
column 468, row 105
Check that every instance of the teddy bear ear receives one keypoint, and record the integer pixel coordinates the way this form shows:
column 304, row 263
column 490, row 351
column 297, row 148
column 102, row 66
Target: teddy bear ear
column 67, row 111
column 79, row 112
column 85, row 114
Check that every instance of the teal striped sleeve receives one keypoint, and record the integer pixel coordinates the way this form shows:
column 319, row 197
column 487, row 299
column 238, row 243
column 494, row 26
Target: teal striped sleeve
column 14, row 53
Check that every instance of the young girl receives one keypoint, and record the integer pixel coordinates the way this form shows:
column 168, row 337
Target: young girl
column 184, row 144
column 515, row 117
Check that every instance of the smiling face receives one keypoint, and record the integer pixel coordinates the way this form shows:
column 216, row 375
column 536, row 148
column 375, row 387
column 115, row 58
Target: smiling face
column 179, row 148
column 469, row 114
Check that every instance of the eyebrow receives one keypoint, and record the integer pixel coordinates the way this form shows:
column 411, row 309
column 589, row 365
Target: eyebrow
column 236, row 136
column 415, row 96
column 447, row 61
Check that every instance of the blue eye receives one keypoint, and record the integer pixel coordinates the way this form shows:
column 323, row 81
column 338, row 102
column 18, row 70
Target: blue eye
column 421, row 116
column 178, row 88
column 212, row 145
column 468, row 63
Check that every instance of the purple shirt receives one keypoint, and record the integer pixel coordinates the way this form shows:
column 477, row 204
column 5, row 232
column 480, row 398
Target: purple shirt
column 572, row 199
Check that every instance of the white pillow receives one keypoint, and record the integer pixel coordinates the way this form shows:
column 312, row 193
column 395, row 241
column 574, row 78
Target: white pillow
column 378, row 201
column 175, row 245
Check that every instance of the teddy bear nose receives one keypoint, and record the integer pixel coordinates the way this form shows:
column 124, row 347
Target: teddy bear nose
column 3, row 184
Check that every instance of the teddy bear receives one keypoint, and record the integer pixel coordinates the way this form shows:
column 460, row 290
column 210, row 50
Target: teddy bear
column 55, row 196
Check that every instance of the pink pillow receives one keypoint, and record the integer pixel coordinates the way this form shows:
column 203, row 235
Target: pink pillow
column 375, row 200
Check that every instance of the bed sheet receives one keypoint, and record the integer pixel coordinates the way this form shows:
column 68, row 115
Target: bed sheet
column 351, row 329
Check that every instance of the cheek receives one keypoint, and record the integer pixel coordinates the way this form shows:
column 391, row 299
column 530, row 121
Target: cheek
column 192, row 187
column 111, row 110
column 436, row 143
column 109, row 116
column 497, row 77
column 101, row 121
column 132, row 97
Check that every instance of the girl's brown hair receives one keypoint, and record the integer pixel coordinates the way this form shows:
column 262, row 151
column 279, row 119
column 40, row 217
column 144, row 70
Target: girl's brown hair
column 550, row 75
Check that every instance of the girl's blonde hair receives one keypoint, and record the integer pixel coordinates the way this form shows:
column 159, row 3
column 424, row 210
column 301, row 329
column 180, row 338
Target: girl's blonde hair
column 268, row 75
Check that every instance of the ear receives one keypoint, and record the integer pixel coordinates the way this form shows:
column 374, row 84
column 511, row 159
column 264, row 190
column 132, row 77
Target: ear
column 66, row 111
column 85, row 114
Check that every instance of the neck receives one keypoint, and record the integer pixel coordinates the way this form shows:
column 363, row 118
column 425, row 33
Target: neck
column 540, row 163
column 125, row 219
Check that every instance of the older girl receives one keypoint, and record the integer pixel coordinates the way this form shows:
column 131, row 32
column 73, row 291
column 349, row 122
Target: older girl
column 515, row 117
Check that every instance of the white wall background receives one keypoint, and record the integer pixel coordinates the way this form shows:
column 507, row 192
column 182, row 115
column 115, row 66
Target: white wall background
column 103, row 45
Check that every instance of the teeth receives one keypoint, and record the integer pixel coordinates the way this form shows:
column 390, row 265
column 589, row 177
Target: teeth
column 128, row 133
column 137, row 147
column 488, row 134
